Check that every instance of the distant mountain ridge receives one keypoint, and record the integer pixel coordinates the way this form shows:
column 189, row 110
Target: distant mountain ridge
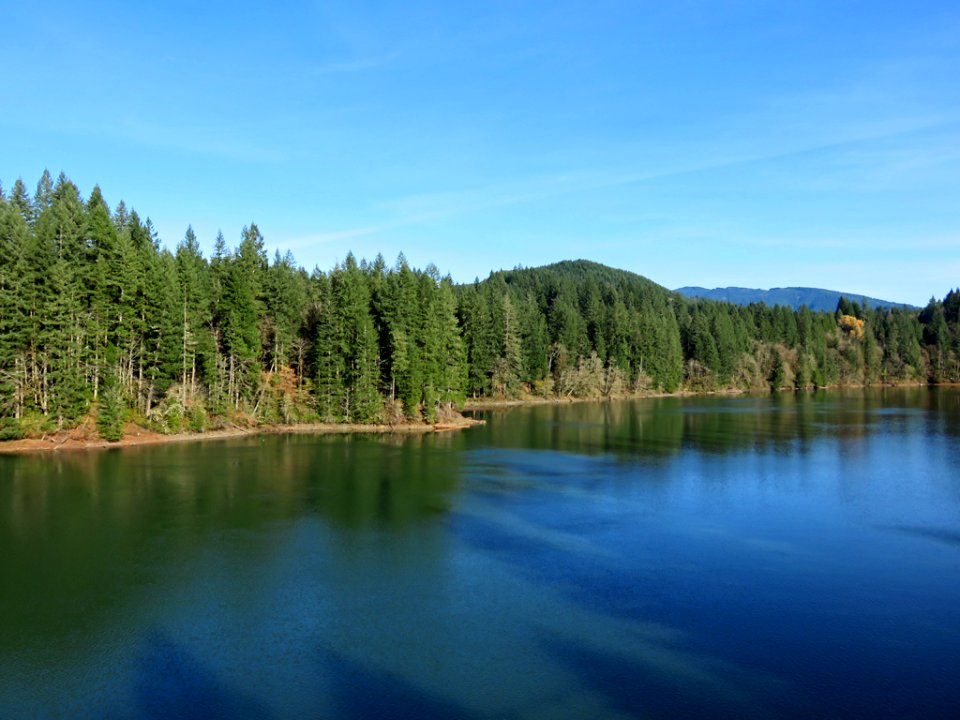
column 794, row 297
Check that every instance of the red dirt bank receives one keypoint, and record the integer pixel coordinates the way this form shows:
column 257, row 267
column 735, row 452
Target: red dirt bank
column 82, row 438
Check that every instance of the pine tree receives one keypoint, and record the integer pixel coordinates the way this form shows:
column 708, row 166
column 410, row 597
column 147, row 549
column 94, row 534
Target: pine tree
column 936, row 336
column 330, row 388
column 478, row 339
column 658, row 353
column 506, row 375
column 110, row 291
column 121, row 217
column 285, row 301
column 13, row 319
column 110, row 408
column 701, row 346
column 726, row 344
column 357, row 341
column 21, row 201
column 61, row 294
column 239, row 310
column 43, row 197
column 160, row 313
column 444, row 348
column 197, row 348
column 403, row 316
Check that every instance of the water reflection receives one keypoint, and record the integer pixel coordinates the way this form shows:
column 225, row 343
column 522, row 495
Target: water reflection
column 662, row 427
column 785, row 556
column 82, row 531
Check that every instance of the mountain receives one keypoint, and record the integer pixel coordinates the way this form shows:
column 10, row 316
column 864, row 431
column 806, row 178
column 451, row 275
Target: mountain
column 794, row 297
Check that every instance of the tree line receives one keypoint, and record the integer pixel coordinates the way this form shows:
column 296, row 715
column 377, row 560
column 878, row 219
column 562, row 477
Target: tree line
column 100, row 323
column 578, row 328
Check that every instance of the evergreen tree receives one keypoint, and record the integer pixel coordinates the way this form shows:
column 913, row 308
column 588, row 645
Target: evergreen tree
column 13, row 310
column 328, row 358
column 238, row 314
column 506, row 375
column 701, row 346
column 936, row 336
column 62, row 309
column 197, row 347
column 110, row 409
column 21, row 201
column 162, row 334
column 450, row 358
column 43, row 198
column 536, row 339
column 478, row 339
column 951, row 307
column 285, row 301
column 357, row 343
column 726, row 346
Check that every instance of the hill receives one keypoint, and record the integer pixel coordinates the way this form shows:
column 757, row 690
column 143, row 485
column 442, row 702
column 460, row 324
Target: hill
column 581, row 273
column 816, row 299
column 578, row 328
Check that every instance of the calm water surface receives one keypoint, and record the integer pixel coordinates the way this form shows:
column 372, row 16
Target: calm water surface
column 724, row 557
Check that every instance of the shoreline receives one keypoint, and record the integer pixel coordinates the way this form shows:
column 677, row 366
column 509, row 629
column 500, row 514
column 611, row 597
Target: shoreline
column 135, row 436
column 475, row 404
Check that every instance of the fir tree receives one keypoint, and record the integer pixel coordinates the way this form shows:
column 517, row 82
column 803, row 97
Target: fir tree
column 110, row 409
column 21, row 201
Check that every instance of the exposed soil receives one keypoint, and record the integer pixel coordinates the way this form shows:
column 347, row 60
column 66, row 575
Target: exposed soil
column 85, row 437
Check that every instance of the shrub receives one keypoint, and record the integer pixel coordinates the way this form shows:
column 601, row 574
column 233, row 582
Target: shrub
column 10, row 429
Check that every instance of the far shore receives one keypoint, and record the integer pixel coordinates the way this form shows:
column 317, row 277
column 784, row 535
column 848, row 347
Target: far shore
column 488, row 403
column 81, row 439
column 496, row 403
column 135, row 435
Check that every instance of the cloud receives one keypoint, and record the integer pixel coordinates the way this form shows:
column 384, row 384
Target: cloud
column 326, row 238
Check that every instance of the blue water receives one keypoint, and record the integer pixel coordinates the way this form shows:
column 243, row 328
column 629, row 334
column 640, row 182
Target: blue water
column 702, row 557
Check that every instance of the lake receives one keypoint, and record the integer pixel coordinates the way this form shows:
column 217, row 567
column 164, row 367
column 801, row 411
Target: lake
column 784, row 556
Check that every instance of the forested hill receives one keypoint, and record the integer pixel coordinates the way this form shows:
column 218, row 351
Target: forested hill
column 794, row 297
column 582, row 271
column 579, row 328
column 100, row 323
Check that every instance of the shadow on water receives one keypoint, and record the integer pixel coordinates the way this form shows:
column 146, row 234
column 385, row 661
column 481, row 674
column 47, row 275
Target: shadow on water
column 580, row 577
column 941, row 535
column 360, row 692
column 639, row 690
column 171, row 683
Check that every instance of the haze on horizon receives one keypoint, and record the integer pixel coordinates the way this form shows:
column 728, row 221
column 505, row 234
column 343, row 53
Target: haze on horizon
column 735, row 144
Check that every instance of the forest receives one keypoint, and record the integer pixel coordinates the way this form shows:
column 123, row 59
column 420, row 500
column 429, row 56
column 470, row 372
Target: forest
column 101, row 323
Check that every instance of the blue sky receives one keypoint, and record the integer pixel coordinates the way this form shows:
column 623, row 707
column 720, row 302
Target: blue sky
column 743, row 143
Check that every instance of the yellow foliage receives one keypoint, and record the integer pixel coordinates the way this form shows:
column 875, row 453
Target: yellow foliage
column 851, row 325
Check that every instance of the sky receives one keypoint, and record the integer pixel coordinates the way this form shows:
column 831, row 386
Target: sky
column 756, row 144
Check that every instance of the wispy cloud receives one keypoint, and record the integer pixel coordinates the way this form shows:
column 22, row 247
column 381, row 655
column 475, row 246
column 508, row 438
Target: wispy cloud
column 299, row 242
column 428, row 206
